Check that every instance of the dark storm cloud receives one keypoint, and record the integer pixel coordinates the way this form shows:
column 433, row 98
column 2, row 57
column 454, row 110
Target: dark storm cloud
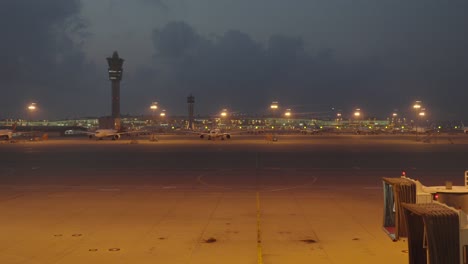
column 413, row 52
column 233, row 70
column 40, row 57
column 376, row 55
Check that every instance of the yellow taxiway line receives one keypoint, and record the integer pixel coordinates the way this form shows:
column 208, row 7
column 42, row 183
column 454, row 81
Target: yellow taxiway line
column 259, row 232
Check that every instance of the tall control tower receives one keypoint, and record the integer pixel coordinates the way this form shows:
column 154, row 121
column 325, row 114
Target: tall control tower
column 115, row 76
column 191, row 103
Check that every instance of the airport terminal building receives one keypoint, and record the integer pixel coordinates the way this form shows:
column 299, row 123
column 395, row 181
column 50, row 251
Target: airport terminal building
column 201, row 123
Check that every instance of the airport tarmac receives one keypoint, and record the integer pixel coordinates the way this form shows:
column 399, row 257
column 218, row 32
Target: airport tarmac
column 302, row 199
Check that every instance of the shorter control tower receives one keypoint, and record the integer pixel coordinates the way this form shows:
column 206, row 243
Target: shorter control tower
column 115, row 76
column 191, row 103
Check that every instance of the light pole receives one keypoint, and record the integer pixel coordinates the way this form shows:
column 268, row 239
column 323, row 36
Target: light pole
column 422, row 115
column 394, row 118
column 417, row 107
column 288, row 115
column 153, row 107
column 31, row 108
column 162, row 115
column 223, row 114
column 357, row 114
column 274, row 108
column 338, row 118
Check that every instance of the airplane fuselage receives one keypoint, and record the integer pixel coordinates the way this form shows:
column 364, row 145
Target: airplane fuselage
column 104, row 133
column 214, row 134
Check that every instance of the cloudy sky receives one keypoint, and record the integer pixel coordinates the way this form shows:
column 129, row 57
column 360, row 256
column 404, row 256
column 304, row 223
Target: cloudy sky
column 310, row 55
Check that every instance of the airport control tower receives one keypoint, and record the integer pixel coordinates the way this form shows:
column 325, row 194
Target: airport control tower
column 191, row 103
column 115, row 76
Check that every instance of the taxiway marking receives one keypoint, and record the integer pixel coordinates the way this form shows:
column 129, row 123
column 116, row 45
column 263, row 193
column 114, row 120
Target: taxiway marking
column 259, row 232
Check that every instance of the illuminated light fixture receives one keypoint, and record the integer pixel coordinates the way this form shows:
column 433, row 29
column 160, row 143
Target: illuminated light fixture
column 224, row 113
column 417, row 105
column 154, row 106
column 338, row 114
column 163, row 113
column 423, row 112
column 357, row 113
column 394, row 114
column 274, row 105
column 288, row 113
column 32, row 107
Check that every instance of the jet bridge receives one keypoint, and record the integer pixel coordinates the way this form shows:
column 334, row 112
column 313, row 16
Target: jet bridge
column 433, row 218
column 437, row 234
column 397, row 191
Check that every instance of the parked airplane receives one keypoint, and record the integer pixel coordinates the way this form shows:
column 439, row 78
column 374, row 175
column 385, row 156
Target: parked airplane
column 109, row 133
column 465, row 129
column 7, row 134
column 214, row 134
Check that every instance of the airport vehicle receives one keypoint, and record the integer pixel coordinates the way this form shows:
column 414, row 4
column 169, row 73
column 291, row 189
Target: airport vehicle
column 214, row 134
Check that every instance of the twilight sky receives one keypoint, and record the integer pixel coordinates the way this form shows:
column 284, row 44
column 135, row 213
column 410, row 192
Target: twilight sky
column 310, row 55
